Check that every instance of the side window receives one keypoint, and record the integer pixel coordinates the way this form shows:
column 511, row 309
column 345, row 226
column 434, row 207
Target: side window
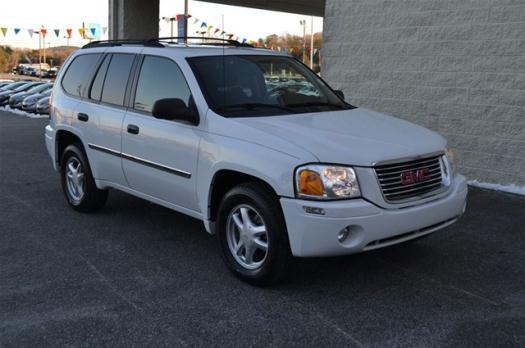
column 160, row 78
column 96, row 87
column 117, row 79
column 78, row 73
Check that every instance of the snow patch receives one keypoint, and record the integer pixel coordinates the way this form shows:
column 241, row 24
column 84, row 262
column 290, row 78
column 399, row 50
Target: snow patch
column 519, row 190
column 21, row 112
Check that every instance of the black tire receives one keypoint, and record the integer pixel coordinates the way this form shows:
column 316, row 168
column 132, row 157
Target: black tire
column 93, row 198
column 278, row 256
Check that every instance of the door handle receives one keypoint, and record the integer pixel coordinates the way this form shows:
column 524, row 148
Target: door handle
column 82, row 117
column 132, row 129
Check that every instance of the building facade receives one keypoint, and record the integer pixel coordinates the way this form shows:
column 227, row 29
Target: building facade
column 454, row 66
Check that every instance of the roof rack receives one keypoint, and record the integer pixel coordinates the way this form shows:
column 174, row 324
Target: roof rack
column 111, row 43
column 204, row 41
column 157, row 42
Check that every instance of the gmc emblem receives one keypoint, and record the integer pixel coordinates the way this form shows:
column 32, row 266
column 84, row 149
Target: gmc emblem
column 413, row 177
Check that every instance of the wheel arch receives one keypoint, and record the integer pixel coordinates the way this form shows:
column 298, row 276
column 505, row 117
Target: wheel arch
column 64, row 138
column 224, row 180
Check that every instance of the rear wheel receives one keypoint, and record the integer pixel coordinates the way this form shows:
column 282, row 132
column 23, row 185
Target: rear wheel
column 78, row 184
column 252, row 234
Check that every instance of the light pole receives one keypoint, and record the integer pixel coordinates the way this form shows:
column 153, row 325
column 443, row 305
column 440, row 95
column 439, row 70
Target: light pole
column 312, row 43
column 186, row 21
column 40, row 53
column 303, row 23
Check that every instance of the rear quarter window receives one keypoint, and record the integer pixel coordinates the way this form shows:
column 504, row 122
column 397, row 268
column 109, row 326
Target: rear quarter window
column 77, row 75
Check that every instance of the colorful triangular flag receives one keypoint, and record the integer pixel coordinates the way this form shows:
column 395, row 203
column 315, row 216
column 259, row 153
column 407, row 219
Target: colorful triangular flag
column 57, row 32
column 93, row 31
column 204, row 25
column 104, row 30
column 30, row 32
column 17, row 30
column 69, row 32
column 43, row 31
column 4, row 31
column 82, row 32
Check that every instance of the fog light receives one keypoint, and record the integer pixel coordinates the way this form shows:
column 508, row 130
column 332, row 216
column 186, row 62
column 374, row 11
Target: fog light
column 314, row 210
column 343, row 234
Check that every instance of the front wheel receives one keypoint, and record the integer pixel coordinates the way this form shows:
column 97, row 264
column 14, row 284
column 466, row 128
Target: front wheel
column 252, row 234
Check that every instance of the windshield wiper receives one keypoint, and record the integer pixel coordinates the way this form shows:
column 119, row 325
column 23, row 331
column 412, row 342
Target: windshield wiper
column 300, row 105
column 251, row 106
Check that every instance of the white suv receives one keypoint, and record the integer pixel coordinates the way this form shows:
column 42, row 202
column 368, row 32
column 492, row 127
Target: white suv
column 252, row 143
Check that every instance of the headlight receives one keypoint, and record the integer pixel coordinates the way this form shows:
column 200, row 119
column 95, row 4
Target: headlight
column 326, row 182
column 450, row 158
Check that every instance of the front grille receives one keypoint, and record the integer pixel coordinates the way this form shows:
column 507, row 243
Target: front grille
column 425, row 176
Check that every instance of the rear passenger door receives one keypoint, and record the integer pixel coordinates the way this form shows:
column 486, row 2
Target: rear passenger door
column 159, row 157
column 71, row 89
column 105, row 108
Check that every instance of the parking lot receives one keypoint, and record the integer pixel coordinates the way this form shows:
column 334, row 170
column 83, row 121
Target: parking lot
column 137, row 274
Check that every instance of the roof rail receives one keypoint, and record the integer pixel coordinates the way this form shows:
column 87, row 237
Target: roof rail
column 111, row 43
column 157, row 42
column 204, row 41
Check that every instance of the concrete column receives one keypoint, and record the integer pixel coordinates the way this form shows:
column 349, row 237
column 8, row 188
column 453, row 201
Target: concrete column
column 133, row 19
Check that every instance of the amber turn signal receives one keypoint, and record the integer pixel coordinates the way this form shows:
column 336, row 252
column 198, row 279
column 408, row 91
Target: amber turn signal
column 310, row 183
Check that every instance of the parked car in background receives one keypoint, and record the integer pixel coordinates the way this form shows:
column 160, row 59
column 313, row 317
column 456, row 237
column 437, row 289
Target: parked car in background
column 4, row 83
column 49, row 73
column 15, row 101
column 23, row 86
column 42, row 107
column 30, row 103
column 26, row 70
column 12, row 85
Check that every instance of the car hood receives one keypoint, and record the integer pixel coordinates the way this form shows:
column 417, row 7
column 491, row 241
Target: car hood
column 33, row 97
column 6, row 94
column 354, row 137
column 43, row 101
column 20, row 95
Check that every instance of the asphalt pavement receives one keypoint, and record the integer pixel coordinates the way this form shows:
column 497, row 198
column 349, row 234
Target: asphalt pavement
column 137, row 274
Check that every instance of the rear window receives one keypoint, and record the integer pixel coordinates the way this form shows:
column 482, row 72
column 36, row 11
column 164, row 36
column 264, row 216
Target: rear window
column 78, row 73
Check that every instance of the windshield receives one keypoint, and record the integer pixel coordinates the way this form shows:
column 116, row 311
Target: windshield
column 262, row 85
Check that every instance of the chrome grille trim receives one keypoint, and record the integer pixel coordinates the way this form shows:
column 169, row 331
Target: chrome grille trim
column 389, row 178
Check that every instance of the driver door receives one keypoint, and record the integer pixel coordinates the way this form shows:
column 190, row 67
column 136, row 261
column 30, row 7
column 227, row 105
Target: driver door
column 159, row 157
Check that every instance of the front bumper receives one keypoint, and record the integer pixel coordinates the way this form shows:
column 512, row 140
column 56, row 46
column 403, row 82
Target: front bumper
column 371, row 227
column 29, row 107
column 16, row 104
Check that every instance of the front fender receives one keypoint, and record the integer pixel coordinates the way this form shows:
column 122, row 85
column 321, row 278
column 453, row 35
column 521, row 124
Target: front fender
column 225, row 153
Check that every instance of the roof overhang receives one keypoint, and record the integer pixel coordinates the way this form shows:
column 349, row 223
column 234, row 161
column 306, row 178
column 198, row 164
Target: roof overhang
column 305, row 7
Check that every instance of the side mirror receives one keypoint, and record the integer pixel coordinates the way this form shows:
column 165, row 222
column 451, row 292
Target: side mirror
column 175, row 109
column 340, row 94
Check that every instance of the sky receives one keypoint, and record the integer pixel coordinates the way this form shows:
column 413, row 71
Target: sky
column 62, row 14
